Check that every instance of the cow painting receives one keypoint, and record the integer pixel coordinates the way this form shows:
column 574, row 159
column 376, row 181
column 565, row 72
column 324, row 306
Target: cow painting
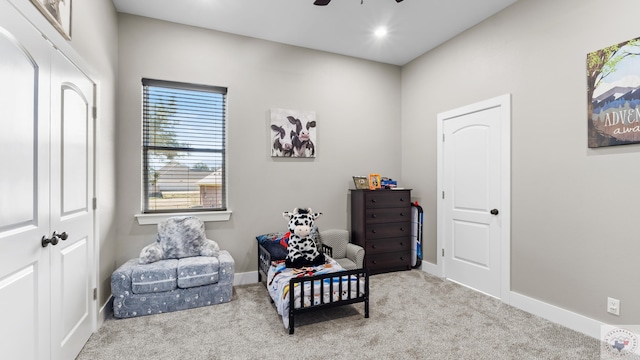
column 293, row 133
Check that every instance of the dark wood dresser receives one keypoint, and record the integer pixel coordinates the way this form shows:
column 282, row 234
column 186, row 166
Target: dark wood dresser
column 381, row 223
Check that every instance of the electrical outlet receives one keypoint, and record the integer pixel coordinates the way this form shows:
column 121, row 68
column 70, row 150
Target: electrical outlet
column 613, row 306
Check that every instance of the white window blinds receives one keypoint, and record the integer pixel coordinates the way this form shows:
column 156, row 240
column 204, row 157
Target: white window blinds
column 183, row 147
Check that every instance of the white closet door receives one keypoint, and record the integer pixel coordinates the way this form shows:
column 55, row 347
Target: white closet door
column 71, row 208
column 24, row 189
column 46, row 185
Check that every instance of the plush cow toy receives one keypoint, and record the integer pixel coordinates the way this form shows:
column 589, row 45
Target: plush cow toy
column 302, row 250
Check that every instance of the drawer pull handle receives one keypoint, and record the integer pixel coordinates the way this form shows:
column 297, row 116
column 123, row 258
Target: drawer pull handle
column 401, row 243
column 373, row 246
column 401, row 199
column 374, row 262
column 401, row 229
column 373, row 200
column 374, row 216
column 373, row 231
column 401, row 214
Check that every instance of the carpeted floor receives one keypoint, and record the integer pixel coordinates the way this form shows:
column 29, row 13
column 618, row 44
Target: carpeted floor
column 413, row 316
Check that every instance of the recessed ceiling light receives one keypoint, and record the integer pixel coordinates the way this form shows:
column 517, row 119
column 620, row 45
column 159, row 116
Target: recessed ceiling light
column 381, row 32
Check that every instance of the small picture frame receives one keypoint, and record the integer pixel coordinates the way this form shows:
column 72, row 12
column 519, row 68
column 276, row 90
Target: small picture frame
column 361, row 182
column 374, row 181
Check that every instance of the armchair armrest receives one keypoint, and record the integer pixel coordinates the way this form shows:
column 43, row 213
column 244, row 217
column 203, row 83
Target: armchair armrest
column 355, row 253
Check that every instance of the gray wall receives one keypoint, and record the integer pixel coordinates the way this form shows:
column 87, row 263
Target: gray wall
column 357, row 105
column 575, row 229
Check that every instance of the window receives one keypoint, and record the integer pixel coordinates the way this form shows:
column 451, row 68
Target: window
column 183, row 147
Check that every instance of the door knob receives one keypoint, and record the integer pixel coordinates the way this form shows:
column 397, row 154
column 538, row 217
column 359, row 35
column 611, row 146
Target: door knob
column 55, row 238
column 494, row 212
column 45, row 241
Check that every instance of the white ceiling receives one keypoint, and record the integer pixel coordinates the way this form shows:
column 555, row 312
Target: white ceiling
column 344, row 26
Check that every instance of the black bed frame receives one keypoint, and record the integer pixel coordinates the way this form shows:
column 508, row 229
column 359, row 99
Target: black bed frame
column 264, row 262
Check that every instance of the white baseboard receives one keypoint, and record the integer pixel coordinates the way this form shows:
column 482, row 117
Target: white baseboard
column 250, row 277
column 557, row 315
column 431, row 268
column 566, row 318
column 105, row 311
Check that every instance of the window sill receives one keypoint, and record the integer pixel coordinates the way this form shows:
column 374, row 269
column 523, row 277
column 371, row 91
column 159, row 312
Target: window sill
column 149, row 219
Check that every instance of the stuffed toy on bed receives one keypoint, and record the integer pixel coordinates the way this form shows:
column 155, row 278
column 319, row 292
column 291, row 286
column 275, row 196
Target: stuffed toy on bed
column 302, row 250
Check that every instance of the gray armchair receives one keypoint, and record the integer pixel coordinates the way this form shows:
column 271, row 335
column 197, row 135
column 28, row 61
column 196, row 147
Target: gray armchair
column 349, row 256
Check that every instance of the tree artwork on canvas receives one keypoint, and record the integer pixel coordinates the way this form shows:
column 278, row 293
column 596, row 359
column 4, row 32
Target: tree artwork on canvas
column 613, row 94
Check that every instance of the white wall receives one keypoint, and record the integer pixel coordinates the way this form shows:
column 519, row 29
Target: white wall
column 575, row 234
column 357, row 105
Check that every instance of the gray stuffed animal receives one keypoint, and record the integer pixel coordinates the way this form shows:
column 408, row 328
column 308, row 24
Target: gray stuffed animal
column 179, row 237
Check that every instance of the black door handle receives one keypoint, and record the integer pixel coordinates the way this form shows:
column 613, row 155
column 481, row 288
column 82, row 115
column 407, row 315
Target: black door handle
column 55, row 238
column 494, row 212
column 45, row 242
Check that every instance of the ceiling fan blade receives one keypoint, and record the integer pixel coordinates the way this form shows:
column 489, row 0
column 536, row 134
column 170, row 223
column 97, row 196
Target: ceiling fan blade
column 321, row 2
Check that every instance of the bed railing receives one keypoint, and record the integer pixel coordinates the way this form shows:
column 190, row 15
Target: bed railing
column 357, row 290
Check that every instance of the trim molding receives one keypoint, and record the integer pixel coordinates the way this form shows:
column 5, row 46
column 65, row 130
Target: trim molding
column 105, row 311
column 557, row 315
column 250, row 277
column 431, row 268
column 150, row 219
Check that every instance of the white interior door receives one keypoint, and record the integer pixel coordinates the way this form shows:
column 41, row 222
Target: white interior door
column 46, row 185
column 24, row 189
column 71, row 207
column 475, row 204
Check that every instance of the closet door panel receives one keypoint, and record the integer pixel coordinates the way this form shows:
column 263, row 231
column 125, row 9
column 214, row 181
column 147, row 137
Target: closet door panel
column 75, row 144
column 24, row 189
column 71, row 208
column 18, row 105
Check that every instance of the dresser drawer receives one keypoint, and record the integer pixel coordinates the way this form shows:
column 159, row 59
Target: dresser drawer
column 387, row 215
column 397, row 260
column 388, row 230
column 383, row 246
column 388, row 198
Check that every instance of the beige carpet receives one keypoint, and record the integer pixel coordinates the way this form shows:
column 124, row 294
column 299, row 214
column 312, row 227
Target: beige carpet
column 413, row 316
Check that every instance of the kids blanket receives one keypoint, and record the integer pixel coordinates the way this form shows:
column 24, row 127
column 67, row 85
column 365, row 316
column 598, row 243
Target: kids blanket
column 278, row 286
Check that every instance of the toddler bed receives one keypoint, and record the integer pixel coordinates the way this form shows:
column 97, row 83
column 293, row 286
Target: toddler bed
column 314, row 288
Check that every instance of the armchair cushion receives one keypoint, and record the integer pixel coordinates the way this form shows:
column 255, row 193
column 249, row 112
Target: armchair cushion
column 197, row 271
column 153, row 278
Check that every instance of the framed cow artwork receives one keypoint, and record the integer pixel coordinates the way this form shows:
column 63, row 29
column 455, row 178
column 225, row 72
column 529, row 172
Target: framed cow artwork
column 293, row 133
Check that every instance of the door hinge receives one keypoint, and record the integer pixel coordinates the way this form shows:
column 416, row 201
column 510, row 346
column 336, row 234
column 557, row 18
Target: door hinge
column 442, row 251
column 95, row 293
column 443, row 194
column 95, row 112
column 95, row 203
column 442, row 137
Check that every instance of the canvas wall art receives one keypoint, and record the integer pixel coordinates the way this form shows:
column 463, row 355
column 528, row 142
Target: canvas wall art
column 613, row 94
column 293, row 133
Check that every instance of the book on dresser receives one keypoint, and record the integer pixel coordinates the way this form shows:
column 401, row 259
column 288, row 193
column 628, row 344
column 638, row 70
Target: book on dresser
column 381, row 224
